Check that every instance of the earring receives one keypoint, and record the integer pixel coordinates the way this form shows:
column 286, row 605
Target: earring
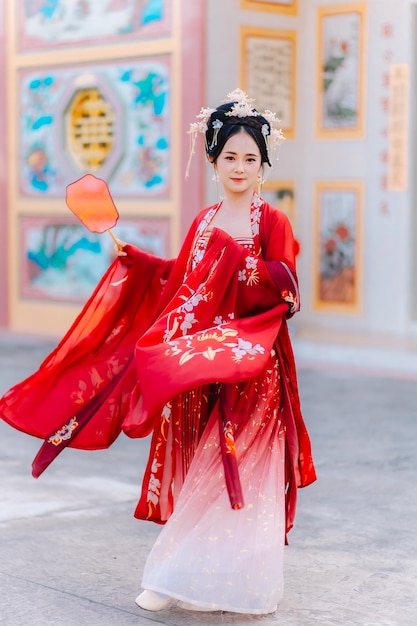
column 261, row 181
column 216, row 179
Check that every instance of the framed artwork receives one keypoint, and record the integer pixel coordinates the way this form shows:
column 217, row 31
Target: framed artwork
column 135, row 94
column 338, row 247
column 341, row 71
column 289, row 7
column 60, row 23
column 281, row 193
column 268, row 72
column 63, row 261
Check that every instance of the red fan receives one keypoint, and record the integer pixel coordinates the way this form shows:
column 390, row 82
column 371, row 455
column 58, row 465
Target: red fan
column 89, row 198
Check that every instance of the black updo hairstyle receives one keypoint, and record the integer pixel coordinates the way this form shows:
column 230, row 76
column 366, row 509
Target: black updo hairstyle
column 230, row 125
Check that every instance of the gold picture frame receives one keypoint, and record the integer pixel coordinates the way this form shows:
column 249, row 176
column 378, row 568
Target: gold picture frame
column 337, row 280
column 268, row 62
column 341, row 71
column 288, row 7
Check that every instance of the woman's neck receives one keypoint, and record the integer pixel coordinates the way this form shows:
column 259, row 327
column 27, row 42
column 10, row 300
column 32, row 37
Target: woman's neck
column 237, row 201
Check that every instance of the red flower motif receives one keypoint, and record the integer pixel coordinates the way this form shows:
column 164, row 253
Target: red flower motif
column 342, row 232
column 344, row 46
column 330, row 246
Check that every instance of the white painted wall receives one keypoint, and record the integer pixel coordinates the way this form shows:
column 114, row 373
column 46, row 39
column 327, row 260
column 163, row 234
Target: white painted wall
column 388, row 237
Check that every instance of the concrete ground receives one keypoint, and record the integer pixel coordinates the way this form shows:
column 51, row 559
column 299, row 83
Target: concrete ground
column 71, row 553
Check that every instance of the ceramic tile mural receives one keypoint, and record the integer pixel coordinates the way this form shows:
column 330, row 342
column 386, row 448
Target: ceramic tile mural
column 141, row 95
column 62, row 260
column 46, row 23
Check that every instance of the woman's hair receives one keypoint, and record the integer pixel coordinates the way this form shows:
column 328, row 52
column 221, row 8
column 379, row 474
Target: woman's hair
column 237, row 114
column 223, row 124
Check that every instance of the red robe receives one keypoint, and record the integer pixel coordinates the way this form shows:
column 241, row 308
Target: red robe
column 154, row 329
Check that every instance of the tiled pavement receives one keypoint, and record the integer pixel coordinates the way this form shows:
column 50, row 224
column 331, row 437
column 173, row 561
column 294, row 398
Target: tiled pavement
column 71, row 553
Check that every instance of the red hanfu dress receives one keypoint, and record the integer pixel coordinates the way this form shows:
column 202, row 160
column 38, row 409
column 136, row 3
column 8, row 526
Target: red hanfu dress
column 196, row 351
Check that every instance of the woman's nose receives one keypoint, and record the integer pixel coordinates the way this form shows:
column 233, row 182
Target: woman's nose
column 239, row 166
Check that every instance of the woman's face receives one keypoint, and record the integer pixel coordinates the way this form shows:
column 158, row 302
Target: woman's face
column 239, row 163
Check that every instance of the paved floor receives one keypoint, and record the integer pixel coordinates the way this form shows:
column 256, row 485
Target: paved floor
column 71, row 553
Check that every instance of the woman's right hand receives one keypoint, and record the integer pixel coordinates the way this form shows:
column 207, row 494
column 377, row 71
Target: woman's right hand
column 119, row 249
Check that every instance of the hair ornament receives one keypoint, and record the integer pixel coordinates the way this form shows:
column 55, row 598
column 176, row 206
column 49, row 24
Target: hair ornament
column 242, row 107
column 200, row 126
column 242, row 104
column 216, row 124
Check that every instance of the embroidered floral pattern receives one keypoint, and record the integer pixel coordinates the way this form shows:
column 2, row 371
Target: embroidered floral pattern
column 212, row 342
column 218, row 320
column 183, row 318
column 154, row 489
column 229, row 438
column 64, row 433
column 94, row 380
column 252, row 270
column 154, row 485
column 245, row 348
column 249, row 273
column 289, row 297
column 242, row 275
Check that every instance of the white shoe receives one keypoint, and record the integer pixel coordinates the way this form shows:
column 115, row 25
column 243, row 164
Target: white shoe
column 151, row 601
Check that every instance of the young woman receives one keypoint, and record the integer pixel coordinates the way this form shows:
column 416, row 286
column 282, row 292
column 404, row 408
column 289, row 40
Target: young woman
column 195, row 351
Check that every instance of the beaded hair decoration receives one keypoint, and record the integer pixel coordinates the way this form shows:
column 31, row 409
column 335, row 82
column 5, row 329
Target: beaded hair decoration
column 242, row 107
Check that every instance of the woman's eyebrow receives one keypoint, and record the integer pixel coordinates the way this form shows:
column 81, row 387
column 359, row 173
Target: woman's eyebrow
column 234, row 153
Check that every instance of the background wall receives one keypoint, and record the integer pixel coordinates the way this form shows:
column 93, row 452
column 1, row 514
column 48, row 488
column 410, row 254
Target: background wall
column 203, row 45
column 388, row 223
column 129, row 65
column 386, row 253
column 3, row 174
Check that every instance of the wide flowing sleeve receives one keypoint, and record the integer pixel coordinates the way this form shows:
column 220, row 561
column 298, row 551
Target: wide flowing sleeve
column 90, row 369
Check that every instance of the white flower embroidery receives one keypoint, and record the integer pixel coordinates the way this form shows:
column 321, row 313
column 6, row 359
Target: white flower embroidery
column 245, row 348
column 155, row 466
column 206, row 220
column 219, row 320
column 242, row 275
column 153, row 488
column 256, row 214
column 189, row 320
column 251, row 262
column 192, row 302
column 166, row 412
column 198, row 255
column 152, row 497
column 256, row 218
column 154, row 483
column 174, row 348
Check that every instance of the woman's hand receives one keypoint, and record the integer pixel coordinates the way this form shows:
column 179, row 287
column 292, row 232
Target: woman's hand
column 118, row 249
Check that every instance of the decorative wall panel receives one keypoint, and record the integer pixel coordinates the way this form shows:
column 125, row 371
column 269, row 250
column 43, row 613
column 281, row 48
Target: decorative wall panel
column 62, row 260
column 139, row 93
column 338, row 261
column 57, row 23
